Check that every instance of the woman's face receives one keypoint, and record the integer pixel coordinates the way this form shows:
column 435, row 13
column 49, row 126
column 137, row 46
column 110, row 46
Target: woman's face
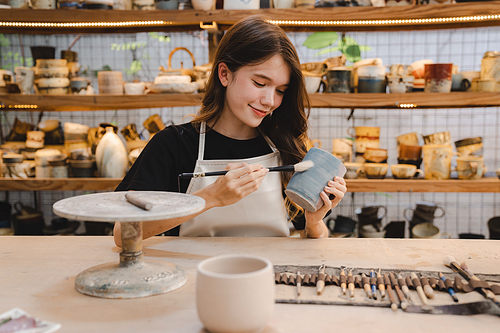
column 252, row 93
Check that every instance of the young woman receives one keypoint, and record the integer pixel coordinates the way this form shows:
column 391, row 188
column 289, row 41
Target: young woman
column 253, row 117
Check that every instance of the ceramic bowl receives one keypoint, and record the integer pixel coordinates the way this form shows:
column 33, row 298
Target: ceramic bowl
column 376, row 170
column 51, row 72
column 50, row 63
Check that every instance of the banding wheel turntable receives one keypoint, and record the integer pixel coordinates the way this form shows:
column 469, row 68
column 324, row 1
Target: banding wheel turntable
column 133, row 276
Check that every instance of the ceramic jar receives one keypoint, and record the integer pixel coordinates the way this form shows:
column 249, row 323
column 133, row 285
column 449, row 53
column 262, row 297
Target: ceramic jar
column 437, row 161
column 111, row 156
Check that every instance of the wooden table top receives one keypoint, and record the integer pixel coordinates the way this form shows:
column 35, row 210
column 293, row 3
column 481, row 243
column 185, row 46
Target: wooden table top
column 37, row 274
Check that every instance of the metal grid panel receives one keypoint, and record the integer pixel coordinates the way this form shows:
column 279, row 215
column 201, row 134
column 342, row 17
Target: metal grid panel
column 465, row 212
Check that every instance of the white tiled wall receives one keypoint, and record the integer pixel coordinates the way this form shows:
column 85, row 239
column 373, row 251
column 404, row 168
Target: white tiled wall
column 465, row 212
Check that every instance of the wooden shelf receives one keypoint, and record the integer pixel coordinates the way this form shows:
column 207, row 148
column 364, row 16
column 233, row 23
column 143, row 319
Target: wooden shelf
column 183, row 20
column 96, row 102
column 354, row 101
column 485, row 185
column 53, row 184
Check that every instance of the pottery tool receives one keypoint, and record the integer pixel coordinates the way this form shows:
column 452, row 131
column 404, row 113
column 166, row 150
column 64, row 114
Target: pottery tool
column 299, row 167
column 350, row 285
column 486, row 292
column 404, row 288
column 461, row 309
column 429, row 292
column 418, row 287
column 320, row 284
column 374, row 285
column 399, row 293
column 394, row 305
column 381, row 286
column 450, row 289
column 450, row 262
column 299, row 282
column 366, row 285
column 343, row 285
column 138, row 201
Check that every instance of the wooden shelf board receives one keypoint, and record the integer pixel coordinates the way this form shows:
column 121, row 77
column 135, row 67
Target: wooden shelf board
column 485, row 185
column 99, row 102
column 181, row 20
column 324, row 100
column 53, row 184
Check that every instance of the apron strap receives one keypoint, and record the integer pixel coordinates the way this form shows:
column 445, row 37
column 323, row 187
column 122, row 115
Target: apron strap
column 269, row 142
column 201, row 148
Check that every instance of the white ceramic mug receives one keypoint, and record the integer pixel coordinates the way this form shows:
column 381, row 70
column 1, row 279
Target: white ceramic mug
column 235, row 293
column 18, row 3
column 134, row 88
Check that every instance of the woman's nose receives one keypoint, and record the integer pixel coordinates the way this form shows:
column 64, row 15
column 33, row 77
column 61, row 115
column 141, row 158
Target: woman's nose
column 268, row 98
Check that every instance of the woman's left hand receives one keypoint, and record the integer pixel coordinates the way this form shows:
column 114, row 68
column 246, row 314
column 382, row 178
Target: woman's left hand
column 336, row 187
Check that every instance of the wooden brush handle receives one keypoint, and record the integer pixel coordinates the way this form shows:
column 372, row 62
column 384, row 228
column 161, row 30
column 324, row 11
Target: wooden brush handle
column 422, row 296
column 320, row 285
column 429, row 292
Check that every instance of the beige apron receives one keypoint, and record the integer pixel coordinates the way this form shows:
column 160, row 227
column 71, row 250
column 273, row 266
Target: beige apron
column 262, row 213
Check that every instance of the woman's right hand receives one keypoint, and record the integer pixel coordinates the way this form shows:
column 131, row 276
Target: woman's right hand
column 241, row 180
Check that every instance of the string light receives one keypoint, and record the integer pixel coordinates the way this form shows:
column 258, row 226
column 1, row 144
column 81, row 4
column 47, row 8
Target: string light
column 84, row 24
column 439, row 20
column 19, row 106
column 406, row 105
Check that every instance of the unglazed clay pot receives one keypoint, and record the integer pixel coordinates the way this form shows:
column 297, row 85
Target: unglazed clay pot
column 235, row 293
column 111, row 156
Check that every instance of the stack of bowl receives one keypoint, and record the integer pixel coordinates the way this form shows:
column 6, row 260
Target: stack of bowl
column 82, row 163
column 51, row 76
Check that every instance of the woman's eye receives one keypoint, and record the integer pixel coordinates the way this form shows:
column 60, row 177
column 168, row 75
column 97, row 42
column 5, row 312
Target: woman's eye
column 281, row 92
column 258, row 84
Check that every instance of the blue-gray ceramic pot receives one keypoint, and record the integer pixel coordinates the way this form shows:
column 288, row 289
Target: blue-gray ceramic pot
column 305, row 187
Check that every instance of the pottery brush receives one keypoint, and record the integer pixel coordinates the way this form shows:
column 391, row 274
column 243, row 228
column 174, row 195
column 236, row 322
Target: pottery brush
column 374, row 285
column 404, row 288
column 450, row 289
column 366, row 286
column 450, row 262
column 399, row 293
column 394, row 305
column 486, row 292
column 299, row 167
column 418, row 287
column 320, row 284
column 343, row 284
column 350, row 285
column 299, row 282
column 381, row 286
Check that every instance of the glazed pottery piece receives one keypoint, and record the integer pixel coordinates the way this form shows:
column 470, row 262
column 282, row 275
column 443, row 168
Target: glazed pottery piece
column 235, row 293
column 305, row 187
column 111, row 156
column 426, row 230
column 437, row 161
column 376, row 170
column 470, row 147
column 438, row 78
column 470, row 167
column 25, row 78
column 404, row 171
column 441, row 138
column 353, row 169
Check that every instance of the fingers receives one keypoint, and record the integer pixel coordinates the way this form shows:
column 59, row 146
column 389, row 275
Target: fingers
column 337, row 189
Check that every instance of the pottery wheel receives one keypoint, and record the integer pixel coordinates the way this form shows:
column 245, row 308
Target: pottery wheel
column 132, row 276
column 113, row 206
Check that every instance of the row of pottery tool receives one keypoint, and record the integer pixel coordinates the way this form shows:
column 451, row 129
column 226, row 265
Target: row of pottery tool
column 389, row 287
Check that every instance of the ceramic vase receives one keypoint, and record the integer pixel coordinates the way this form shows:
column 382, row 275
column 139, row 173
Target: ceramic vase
column 111, row 156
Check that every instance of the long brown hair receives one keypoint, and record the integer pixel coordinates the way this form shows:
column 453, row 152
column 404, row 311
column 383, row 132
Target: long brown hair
column 253, row 41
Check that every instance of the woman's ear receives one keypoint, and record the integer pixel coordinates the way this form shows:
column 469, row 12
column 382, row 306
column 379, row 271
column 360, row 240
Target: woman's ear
column 223, row 72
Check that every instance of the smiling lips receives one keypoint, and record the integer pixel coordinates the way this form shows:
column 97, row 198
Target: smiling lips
column 258, row 112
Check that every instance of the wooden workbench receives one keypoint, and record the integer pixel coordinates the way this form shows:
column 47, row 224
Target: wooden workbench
column 37, row 274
